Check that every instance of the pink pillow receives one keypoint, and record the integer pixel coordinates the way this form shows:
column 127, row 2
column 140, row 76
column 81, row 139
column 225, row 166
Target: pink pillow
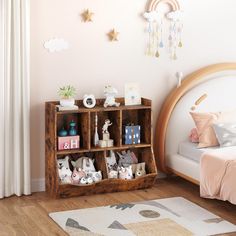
column 193, row 136
column 204, row 122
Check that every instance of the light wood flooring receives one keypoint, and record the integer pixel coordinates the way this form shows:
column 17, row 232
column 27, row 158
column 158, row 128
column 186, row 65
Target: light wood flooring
column 28, row 215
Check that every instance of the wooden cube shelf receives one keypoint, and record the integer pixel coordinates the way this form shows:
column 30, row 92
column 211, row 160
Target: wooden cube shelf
column 85, row 120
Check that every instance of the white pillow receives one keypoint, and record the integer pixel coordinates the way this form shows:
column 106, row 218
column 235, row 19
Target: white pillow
column 225, row 133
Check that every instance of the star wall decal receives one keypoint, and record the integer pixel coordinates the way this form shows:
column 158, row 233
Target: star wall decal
column 113, row 35
column 87, row 16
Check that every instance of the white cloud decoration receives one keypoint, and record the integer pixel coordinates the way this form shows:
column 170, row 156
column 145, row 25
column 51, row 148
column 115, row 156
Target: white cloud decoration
column 152, row 16
column 56, row 45
column 175, row 15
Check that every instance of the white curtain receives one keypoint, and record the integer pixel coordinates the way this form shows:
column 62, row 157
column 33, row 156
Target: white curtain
column 14, row 102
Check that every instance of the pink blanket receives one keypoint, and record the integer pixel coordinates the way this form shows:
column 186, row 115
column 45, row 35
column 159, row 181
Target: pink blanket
column 218, row 174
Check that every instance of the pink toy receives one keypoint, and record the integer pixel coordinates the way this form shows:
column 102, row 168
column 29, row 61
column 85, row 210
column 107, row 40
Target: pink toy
column 77, row 175
column 193, row 136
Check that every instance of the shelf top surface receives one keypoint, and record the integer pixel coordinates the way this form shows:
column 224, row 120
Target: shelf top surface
column 146, row 104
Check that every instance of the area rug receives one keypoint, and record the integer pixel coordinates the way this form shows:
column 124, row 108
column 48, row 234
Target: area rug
column 166, row 217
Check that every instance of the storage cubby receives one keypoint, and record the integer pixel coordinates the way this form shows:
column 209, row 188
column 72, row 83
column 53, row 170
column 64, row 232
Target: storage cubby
column 85, row 125
column 114, row 129
column 98, row 157
column 82, row 126
column 140, row 117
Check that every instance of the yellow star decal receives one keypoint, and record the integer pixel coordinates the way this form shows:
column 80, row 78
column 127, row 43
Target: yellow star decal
column 113, row 35
column 87, row 16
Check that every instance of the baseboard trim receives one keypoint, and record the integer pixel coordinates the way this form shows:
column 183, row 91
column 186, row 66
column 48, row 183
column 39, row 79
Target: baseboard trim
column 38, row 185
column 161, row 175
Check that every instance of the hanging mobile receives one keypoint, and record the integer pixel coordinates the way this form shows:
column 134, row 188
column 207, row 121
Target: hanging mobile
column 156, row 28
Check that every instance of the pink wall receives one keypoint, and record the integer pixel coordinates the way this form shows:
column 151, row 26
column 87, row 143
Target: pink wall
column 92, row 61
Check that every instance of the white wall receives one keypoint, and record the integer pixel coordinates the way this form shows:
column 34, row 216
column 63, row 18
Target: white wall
column 92, row 61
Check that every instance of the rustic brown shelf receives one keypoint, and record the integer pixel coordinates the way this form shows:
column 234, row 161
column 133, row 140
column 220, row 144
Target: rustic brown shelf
column 84, row 118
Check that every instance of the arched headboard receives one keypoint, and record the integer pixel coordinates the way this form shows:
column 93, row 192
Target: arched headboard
column 190, row 81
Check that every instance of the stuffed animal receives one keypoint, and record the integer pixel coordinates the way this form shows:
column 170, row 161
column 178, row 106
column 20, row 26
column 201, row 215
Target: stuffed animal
column 140, row 170
column 86, row 180
column 125, row 172
column 64, row 171
column 88, row 165
column 96, row 176
column 77, row 175
column 127, row 158
column 65, row 175
column 84, row 163
column 110, row 93
column 113, row 174
column 111, row 161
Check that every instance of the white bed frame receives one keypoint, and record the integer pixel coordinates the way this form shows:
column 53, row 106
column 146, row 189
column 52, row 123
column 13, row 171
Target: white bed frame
column 174, row 122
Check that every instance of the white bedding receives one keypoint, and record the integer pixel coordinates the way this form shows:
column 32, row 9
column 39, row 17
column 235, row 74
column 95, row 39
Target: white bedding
column 190, row 150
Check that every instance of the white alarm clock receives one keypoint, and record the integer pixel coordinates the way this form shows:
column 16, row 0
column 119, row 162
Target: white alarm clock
column 89, row 101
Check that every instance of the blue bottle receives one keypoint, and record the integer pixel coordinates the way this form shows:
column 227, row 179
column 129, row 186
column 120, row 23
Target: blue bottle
column 72, row 130
column 62, row 132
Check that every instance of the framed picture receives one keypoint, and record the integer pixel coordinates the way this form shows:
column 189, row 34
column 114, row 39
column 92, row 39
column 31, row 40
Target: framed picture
column 132, row 94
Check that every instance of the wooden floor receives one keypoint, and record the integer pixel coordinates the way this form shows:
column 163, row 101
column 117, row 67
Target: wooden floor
column 28, row 215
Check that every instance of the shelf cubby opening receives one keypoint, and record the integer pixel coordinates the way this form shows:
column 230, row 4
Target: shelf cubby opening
column 82, row 126
column 140, row 117
column 114, row 129
column 98, row 157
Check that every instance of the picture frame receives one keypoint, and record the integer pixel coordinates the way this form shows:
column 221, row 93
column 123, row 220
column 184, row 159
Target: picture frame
column 132, row 94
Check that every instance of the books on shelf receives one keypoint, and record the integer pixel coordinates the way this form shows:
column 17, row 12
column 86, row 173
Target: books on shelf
column 61, row 108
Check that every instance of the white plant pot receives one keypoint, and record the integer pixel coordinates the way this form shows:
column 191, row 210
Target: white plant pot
column 67, row 102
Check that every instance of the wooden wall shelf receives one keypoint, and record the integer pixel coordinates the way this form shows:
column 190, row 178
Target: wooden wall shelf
column 139, row 114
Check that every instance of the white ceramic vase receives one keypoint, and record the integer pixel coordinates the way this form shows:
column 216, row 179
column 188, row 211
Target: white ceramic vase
column 70, row 102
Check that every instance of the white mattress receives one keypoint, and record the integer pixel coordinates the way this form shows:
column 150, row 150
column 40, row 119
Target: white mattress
column 190, row 150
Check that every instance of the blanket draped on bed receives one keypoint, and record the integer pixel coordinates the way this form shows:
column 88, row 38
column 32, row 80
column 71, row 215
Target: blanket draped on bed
column 218, row 174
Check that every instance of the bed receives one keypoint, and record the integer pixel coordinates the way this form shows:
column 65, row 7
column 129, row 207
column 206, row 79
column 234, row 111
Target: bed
column 174, row 153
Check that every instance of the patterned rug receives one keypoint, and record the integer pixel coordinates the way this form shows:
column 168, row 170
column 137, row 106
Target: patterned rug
column 165, row 217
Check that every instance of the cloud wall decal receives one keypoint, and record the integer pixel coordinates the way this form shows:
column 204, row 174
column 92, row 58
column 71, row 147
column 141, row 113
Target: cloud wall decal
column 56, row 45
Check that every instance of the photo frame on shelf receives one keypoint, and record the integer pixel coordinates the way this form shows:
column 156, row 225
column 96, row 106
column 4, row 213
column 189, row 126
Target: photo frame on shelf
column 132, row 94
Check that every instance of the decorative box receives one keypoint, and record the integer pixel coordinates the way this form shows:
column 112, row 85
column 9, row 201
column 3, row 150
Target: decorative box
column 132, row 134
column 68, row 142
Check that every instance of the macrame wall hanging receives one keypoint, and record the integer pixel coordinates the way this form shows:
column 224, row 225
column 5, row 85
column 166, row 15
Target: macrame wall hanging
column 160, row 37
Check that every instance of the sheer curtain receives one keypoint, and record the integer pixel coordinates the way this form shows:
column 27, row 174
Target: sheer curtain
column 14, row 101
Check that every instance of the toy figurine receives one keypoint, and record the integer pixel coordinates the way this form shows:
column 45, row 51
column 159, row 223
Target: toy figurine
column 110, row 93
column 105, row 126
column 106, row 141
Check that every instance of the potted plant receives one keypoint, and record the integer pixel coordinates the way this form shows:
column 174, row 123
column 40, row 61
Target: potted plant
column 67, row 94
